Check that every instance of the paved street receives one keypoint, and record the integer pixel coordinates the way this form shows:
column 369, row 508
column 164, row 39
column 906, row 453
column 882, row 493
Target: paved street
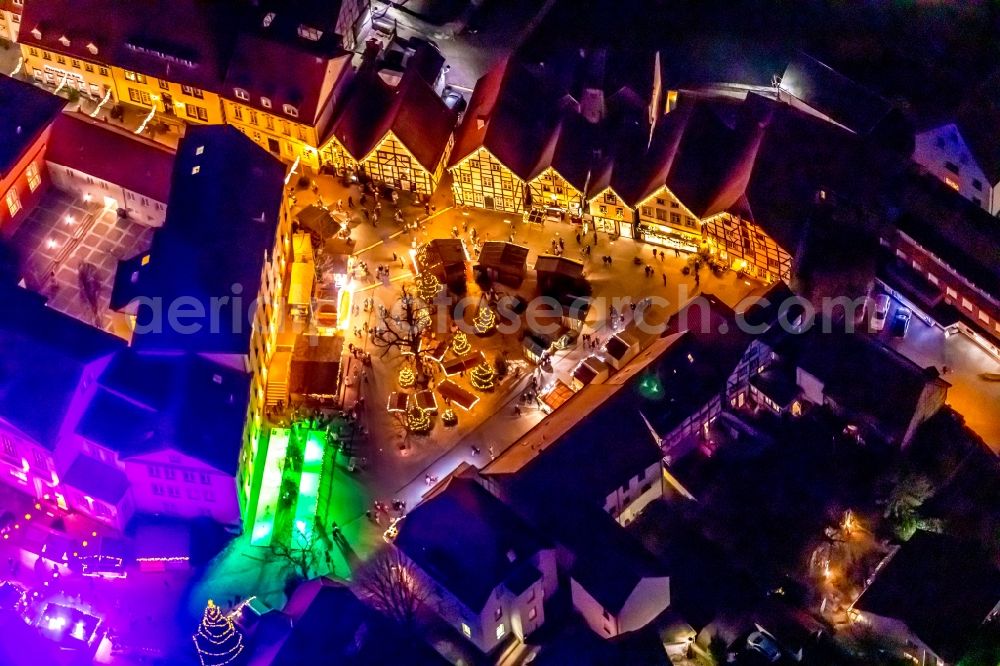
column 970, row 395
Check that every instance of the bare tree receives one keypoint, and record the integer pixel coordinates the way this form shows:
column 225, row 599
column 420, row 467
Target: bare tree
column 402, row 327
column 390, row 584
column 303, row 551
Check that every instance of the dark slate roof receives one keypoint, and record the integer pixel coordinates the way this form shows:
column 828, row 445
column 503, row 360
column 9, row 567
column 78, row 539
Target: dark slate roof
column 846, row 102
column 97, row 479
column 861, row 375
column 467, row 540
column 25, row 112
column 286, row 74
column 963, row 235
column 183, row 402
column 978, row 117
column 221, row 225
column 940, row 587
column 324, row 622
column 43, row 354
column 106, row 152
column 608, row 561
column 411, row 110
column 548, row 263
column 144, row 39
column 288, row 15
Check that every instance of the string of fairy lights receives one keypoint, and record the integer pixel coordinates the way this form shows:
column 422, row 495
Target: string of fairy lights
column 217, row 640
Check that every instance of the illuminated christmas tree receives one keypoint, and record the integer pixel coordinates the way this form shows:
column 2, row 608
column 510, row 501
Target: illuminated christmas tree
column 217, row 641
column 460, row 344
column 428, row 286
column 483, row 377
column 417, row 420
column 486, row 320
column 449, row 418
column 407, row 378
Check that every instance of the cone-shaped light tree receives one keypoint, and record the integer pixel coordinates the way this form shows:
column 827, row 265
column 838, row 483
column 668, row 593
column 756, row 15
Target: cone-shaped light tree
column 486, row 320
column 483, row 377
column 460, row 344
column 428, row 286
column 217, row 641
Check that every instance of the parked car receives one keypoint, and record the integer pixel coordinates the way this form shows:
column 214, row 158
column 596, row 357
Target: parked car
column 901, row 322
column 764, row 645
column 881, row 312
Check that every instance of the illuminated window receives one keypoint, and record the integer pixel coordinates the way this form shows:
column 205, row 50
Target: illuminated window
column 951, row 183
column 34, row 179
column 241, row 94
column 951, row 292
column 13, row 202
column 466, row 630
column 310, row 33
column 195, row 169
column 533, row 613
column 967, row 304
column 265, row 102
column 163, row 84
column 983, row 317
column 268, row 18
column 500, row 631
column 290, row 110
column 8, row 447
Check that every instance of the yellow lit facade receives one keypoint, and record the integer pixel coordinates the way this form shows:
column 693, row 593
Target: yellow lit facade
column 88, row 77
column 744, row 246
column 267, row 322
column 664, row 220
column 549, row 189
column 392, row 163
column 173, row 101
column 611, row 214
column 481, row 180
column 283, row 138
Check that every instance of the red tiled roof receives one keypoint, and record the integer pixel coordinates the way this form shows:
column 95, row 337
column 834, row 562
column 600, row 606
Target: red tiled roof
column 184, row 41
column 285, row 75
column 109, row 154
column 411, row 110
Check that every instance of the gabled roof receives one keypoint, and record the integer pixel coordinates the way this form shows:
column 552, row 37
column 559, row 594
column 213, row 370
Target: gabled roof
column 411, row 110
column 221, row 225
column 467, row 540
column 285, row 74
column 25, row 112
column 106, row 152
column 978, row 117
column 834, row 95
column 181, row 402
column 43, row 355
column 862, row 375
column 144, row 39
column 942, row 588
column 963, row 235
column 501, row 254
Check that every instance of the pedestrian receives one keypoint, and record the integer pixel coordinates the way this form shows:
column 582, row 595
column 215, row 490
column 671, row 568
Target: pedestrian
column 351, row 347
column 427, row 209
column 350, row 202
column 578, row 239
column 677, row 253
column 340, row 205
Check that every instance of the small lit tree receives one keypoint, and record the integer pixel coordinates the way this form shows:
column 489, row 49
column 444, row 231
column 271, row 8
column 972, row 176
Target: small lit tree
column 486, row 320
column 483, row 377
column 417, row 420
column 460, row 344
column 217, row 641
column 428, row 286
column 407, row 377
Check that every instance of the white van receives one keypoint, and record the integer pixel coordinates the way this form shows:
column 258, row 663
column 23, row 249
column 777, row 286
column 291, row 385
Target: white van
column 881, row 312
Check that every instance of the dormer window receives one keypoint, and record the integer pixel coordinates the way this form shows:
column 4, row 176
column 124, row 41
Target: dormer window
column 310, row 33
column 195, row 170
column 241, row 94
column 290, row 110
column 92, row 48
column 36, row 33
column 265, row 102
column 64, row 40
column 268, row 19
